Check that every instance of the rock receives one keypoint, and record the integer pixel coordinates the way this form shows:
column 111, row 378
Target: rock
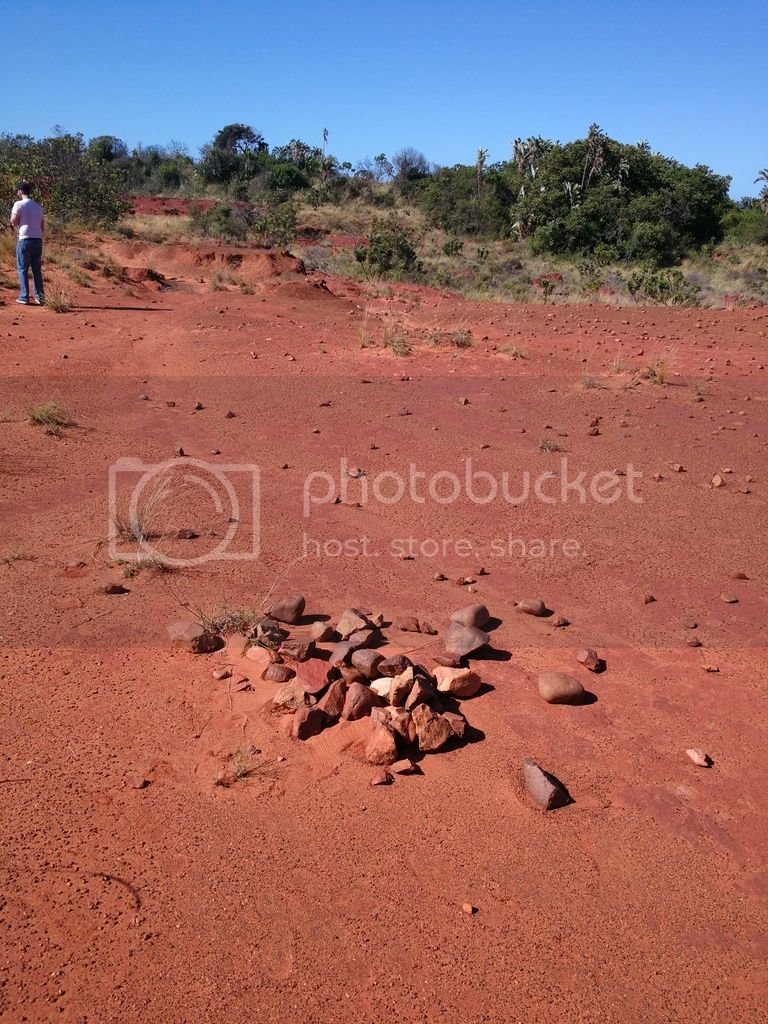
column 290, row 697
column 402, row 723
column 367, row 661
column 729, row 599
column 360, row 638
column 382, row 778
column 717, row 481
column 561, row 622
column 422, row 692
column 463, row 640
column 179, row 451
column 381, row 747
column 458, row 682
column 739, row 576
column 432, row 730
column 221, row 673
column 191, row 636
column 381, row 686
column 545, row 789
column 115, row 588
column 350, row 674
column 700, row 758
column 269, row 635
column 322, row 632
column 359, row 701
column 648, row 599
column 340, row 654
column 689, row 623
column 308, row 722
column 400, row 687
column 449, row 660
column 138, row 782
column 185, row 534
column 457, row 723
column 407, row 624
column 297, row 648
column 332, row 701
column 427, row 629
column 277, row 673
column 472, row 615
column 532, row 606
column 694, row 642
column 559, row 688
column 395, row 665
column 404, row 767
column 350, row 621
column 439, row 577
column 312, row 676
column 590, row 659
column 287, row 609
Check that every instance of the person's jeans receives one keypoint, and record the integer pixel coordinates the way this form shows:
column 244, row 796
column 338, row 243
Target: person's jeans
column 29, row 256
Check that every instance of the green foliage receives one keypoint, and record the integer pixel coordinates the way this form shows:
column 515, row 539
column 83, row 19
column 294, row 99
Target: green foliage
column 453, row 247
column 665, row 286
column 747, row 225
column 390, row 248
column 68, row 179
column 241, row 222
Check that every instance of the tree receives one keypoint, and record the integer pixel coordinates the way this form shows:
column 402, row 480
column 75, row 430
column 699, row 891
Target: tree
column 107, row 148
column 763, row 176
column 409, row 164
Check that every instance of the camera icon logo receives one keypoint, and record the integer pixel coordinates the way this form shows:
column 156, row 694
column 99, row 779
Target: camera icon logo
column 184, row 512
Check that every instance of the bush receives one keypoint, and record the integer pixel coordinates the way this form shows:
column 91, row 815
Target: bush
column 390, row 248
column 665, row 286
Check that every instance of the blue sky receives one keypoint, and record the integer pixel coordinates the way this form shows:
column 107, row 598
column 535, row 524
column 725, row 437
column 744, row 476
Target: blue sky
column 445, row 77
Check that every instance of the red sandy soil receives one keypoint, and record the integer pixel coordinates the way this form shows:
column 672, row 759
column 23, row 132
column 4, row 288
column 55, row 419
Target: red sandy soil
column 300, row 893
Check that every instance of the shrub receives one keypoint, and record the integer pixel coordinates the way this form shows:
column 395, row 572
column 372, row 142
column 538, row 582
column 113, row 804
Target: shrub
column 669, row 287
column 390, row 248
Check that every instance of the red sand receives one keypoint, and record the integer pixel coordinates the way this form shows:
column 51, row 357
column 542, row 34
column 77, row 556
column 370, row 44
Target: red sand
column 301, row 893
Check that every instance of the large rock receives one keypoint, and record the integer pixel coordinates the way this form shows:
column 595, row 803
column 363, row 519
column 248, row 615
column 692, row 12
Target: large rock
column 309, row 722
column 287, row 609
column 560, row 688
column 401, row 722
column 350, row 621
column 192, row 637
column 359, row 701
column 381, row 686
column 332, row 701
column 361, row 638
column 322, row 632
column 531, row 606
column 422, row 692
column 367, row 662
column 545, row 789
column 381, row 747
column 463, row 640
column 394, row 665
column 297, row 648
column 590, row 659
column 457, row 722
column 312, row 676
column 432, row 730
column 291, row 697
column 407, row 624
column 277, row 673
column 340, row 654
column 458, row 682
column 472, row 615
column 400, row 687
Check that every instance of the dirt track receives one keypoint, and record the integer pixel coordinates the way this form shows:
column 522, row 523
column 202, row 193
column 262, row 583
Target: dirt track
column 301, row 893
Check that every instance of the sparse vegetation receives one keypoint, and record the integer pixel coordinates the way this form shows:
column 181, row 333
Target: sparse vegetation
column 397, row 342
column 58, row 298
column 547, row 444
column 50, row 415
column 16, row 554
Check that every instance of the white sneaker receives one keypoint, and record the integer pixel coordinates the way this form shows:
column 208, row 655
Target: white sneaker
column 22, row 302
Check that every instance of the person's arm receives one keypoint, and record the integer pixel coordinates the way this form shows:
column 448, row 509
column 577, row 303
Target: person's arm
column 14, row 215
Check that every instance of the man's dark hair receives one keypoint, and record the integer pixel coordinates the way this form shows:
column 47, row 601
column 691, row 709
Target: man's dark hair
column 24, row 187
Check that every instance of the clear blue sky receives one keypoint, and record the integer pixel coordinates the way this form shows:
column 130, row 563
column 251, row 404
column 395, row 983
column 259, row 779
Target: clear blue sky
column 441, row 75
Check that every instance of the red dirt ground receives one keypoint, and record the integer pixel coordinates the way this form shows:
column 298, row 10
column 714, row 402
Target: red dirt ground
column 300, row 893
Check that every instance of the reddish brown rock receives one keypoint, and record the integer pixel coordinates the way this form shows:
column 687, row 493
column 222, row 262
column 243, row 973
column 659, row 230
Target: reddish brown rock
column 458, row 682
column 221, row 673
column 689, row 623
column 309, row 722
column 381, row 747
column 340, row 654
column 297, row 649
column 648, row 599
column 422, row 692
column 287, row 609
column 729, row 599
column 559, row 688
column 400, row 687
column 544, row 788
column 322, row 632
column 463, row 640
column 401, row 722
column 404, row 767
column 395, row 665
column 432, row 730
column 382, row 778
column 449, row 660
column 312, row 676
column 367, row 662
column 531, row 606
column 457, row 723
column 560, row 622
column 276, row 673
column 361, row 638
column 699, row 758
column 407, row 624
column 359, row 701
column 472, row 615
column 350, row 621
column 332, row 701
column 191, row 636
column 350, row 674
column 589, row 658
column 291, row 697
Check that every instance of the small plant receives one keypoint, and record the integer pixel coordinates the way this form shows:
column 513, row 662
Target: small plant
column 50, row 415
column 461, row 339
column 397, row 342
column 246, row 287
column 227, row 621
column 515, row 352
column 656, row 371
column 58, row 298
column 15, row 555
column 547, row 444
column 139, row 527
column 453, row 247
column 590, row 382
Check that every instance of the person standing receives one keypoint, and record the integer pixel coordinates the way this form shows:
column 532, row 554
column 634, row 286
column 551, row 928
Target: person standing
column 27, row 217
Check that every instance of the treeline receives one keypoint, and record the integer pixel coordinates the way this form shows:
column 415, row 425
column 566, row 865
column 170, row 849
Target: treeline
column 594, row 197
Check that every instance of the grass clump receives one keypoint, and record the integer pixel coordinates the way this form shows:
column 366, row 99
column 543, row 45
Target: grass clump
column 58, row 298
column 397, row 342
column 16, row 554
column 50, row 415
column 547, row 444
